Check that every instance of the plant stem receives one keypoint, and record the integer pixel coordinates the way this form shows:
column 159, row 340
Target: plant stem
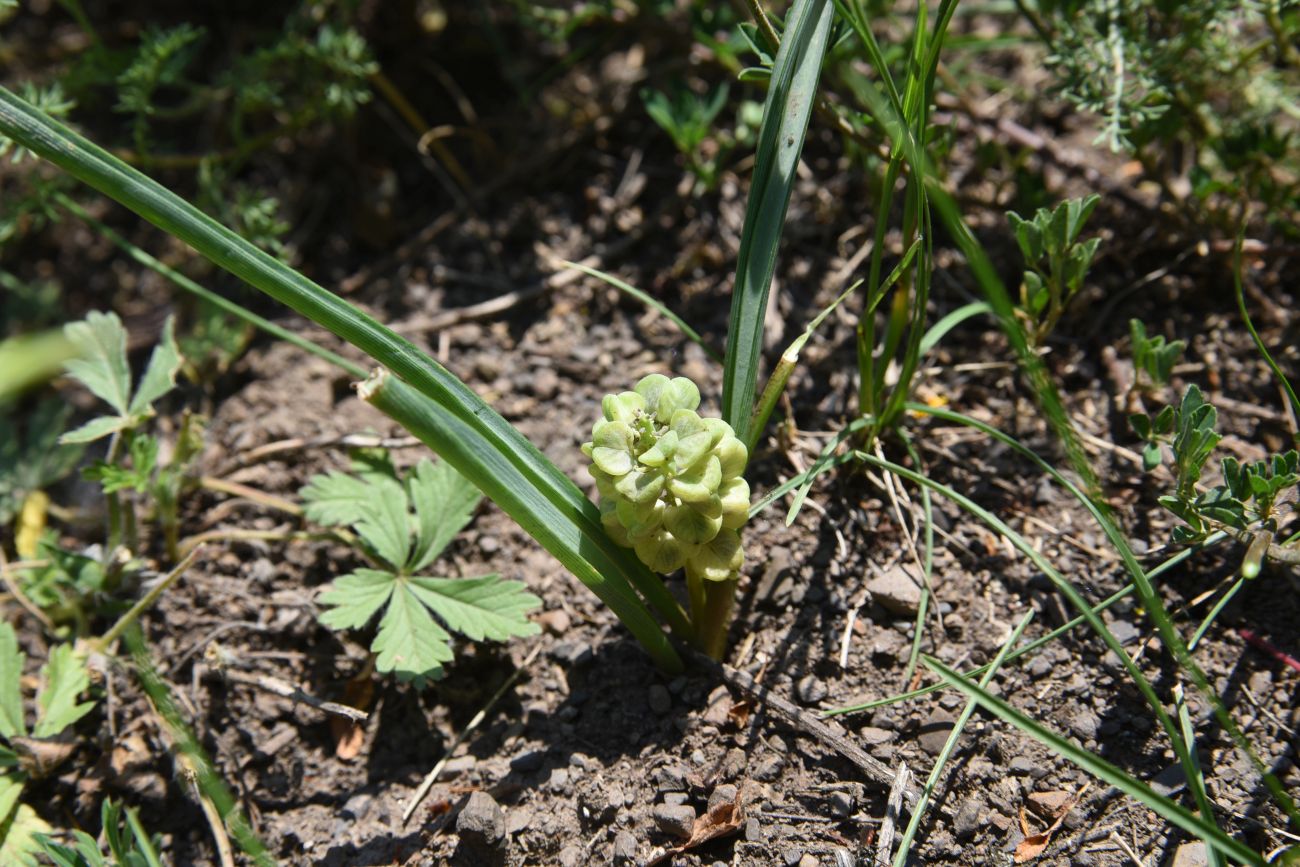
column 715, row 617
column 99, row 645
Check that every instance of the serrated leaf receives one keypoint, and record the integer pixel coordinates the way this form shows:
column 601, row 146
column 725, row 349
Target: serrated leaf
column 102, row 367
column 160, row 374
column 479, row 608
column 96, row 428
column 11, row 692
column 386, row 525
column 444, row 502
column 410, row 643
column 355, row 598
column 18, row 844
column 65, row 678
column 336, row 499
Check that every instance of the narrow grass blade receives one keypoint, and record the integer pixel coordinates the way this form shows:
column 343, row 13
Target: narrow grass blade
column 1254, row 335
column 940, row 329
column 206, row 779
column 804, row 478
column 790, row 99
column 784, row 368
column 451, row 405
column 1159, row 615
column 1099, row 768
column 1122, row 593
column 824, row 461
column 650, row 301
column 905, row 843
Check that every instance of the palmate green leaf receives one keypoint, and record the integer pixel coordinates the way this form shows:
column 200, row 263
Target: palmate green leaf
column 65, row 678
column 102, row 367
column 444, row 502
column 11, row 692
column 410, row 643
column 19, row 845
column 479, row 608
column 160, row 374
column 355, row 598
column 336, row 499
column 386, row 523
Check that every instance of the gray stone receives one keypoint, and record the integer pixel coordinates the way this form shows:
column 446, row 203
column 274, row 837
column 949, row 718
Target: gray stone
column 1021, row 765
column 810, row 690
column 1084, row 725
column 1190, row 855
column 967, row 821
column 934, row 732
column 660, row 700
column 873, row 735
column 754, row 831
column 1039, row 667
column 897, row 591
column 624, row 848
column 809, row 860
column 571, row 856
column 768, row 768
column 723, row 794
column 841, row 804
column 671, row 778
column 527, row 761
column 482, row 822
column 676, row 820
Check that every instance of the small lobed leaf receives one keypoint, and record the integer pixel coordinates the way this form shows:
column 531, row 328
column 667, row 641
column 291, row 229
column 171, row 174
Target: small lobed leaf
column 11, row 693
column 96, row 428
column 410, row 643
column 65, row 677
column 160, row 374
column 486, row 607
column 386, row 526
column 444, row 503
column 19, row 842
column 336, row 499
column 354, row 599
column 102, row 367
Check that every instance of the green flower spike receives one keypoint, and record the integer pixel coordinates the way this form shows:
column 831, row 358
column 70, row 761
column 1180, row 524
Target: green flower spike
column 670, row 482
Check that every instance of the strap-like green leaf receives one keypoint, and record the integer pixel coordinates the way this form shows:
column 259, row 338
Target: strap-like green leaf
column 790, row 99
column 160, row 376
column 11, row 692
column 102, row 367
column 479, row 608
column 444, row 502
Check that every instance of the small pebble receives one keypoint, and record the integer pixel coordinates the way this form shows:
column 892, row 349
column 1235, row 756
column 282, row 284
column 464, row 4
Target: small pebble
column 676, row 820
column 660, row 700
column 967, row 821
column 624, row 848
column 753, row 831
column 482, row 823
column 810, row 690
column 723, row 794
column 841, row 804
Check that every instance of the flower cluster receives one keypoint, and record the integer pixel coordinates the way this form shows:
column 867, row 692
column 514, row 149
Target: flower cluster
column 670, row 482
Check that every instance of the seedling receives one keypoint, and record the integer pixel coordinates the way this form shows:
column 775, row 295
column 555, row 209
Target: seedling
column 1055, row 261
column 132, row 459
column 688, row 118
column 403, row 525
column 28, row 465
column 1153, row 358
column 129, row 845
column 24, row 754
column 1254, row 500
